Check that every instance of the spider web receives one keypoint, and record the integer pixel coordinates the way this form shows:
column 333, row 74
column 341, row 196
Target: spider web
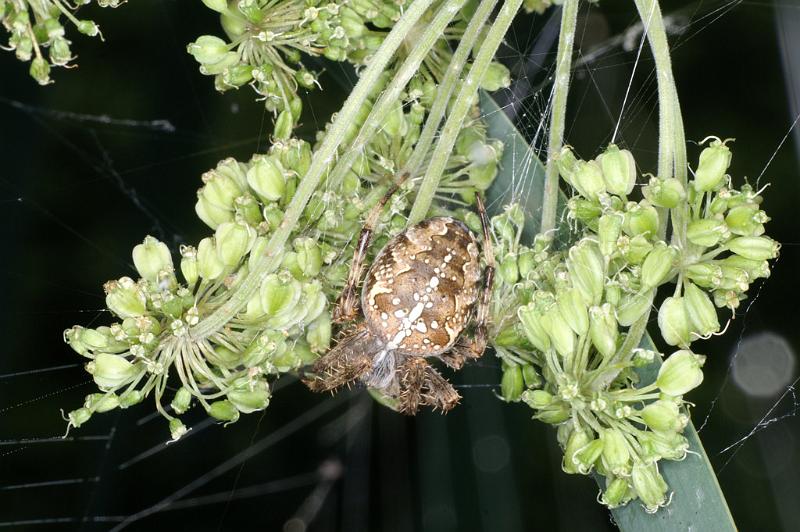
column 91, row 167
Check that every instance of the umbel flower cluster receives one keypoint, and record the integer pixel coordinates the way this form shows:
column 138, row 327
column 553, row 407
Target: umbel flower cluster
column 267, row 40
column 37, row 31
column 574, row 353
column 286, row 324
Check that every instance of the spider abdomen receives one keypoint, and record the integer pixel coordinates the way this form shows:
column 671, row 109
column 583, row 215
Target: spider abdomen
column 420, row 290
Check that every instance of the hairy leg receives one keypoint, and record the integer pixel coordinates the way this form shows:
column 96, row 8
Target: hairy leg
column 421, row 384
column 349, row 360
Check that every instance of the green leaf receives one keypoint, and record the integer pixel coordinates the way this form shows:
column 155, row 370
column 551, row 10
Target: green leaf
column 697, row 500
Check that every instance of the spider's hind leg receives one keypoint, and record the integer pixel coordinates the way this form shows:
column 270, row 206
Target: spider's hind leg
column 421, row 384
column 349, row 360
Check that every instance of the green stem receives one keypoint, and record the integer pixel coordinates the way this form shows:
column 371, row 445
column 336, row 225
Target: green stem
column 388, row 98
column 448, row 83
column 321, row 161
column 558, row 113
column 460, row 108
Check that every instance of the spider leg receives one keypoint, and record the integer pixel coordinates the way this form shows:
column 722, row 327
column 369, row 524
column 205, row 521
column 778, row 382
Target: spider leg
column 349, row 360
column 421, row 384
column 476, row 347
column 346, row 308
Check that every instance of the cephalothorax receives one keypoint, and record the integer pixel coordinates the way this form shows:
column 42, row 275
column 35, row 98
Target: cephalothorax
column 422, row 291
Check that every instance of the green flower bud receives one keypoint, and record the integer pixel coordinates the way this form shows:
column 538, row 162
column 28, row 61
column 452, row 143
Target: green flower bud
column 309, row 256
column 78, row 417
column 130, row 398
column 211, row 214
column 706, row 274
column 318, row 333
column 673, row 321
column 559, row 331
column 649, row 486
column 532, row 325
column 619, row 170
column 617, row 492
column 658, row 265
column 633, row 306
column 283, row 125
column 668, row 192
column 554, row 414
column 663, row 415
column 182, row 400
column 714, row 162
column 151, row 257
column 588, row 179
column 512, row 384
column 509, row 271
column 266, row 178
column 755, row 269
column 208, row 49
column 573, row 309
column 189, row 264
column 700, row 311
column 680, row 373
column 394, row 123
column 124, row 298
column 577, row 441
column 616, row 453
column 603, row 329
column 707, row 232
column 641, row 219
column 101, row 402
column 754, row 247
column 733, row 278
column 497, row 77
column 111, row 371
column 224, row 411
column 746, row 220
column 566, row 163
column 587, row 455
column 217, row 5
column 635, row 249
column 586, row 270
column 209, row 264
column 537, row 399
column 40, row 70
column 609, row 227
column 88, row 27
column 531, row 377
column 233, row 241
column 667, row 445
column 177, row 429
column 280, row 294
column 583, row 210
column 251, row 397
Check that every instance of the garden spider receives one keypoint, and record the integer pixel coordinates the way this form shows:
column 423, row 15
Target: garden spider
column 419, row 295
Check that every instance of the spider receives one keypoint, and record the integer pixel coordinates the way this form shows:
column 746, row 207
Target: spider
column 420, row 294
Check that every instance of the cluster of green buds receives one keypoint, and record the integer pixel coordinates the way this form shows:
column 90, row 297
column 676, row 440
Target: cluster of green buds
column 286, row 323
column 574, row 353
column 267, row 41
column 37, row 33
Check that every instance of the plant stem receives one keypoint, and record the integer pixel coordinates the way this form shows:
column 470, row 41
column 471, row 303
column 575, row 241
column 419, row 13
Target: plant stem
column 460, row 108
column 558, row 113
column 321, row 161
column 448, row 83
column 388, row 98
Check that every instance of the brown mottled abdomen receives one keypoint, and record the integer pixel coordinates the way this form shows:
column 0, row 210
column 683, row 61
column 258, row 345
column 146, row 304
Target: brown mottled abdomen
column 419, row 293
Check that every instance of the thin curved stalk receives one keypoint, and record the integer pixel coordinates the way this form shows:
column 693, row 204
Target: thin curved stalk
column 566, row 40
column 461, row 106
column 321, row 161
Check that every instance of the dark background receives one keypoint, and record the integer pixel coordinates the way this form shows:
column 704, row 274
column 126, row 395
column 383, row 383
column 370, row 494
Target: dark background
column 77, row 192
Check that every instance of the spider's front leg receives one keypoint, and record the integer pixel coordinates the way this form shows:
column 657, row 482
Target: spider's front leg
column 421, row 384
column 346, row 308
column 349, row 360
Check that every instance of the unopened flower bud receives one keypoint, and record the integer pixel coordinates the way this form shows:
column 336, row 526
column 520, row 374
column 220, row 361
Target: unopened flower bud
column 283, row 125
column 746, row 220
column 707, row 232
column 617, row 492
column 111, row 371
column 658, row 264
column 586, row 267
column 532, row 325
column 559, row 331
column 318, row 333
column 217, row 5
column 700, row 311
column 664, row 192
column 619, row 170
column 633, row 306
column 587, row 455
column 714, row 162
column 79, row 416
column 603, row 329
column 177, row 429
column 101, row 402
column 124, row 298
column 584, row 210
column 566, row 163
column 705, row 274
column 755, row 269
column 537, row 399
column 189, row 264
column 588, row 179
column 616, row 454
column 40, row 70
column 208, row 49
column 209, row 264
column 609, row 227
column 754, row 247
column 573, row 309
column 673, row 322
column 151, row 257
column 512, row 384
column 233, row 241
column 680, row 373
column 577, row 440
column 280, row 294
column 182, row 400
column 497, row 77
column 250, row 397
column 663, row 415
column 130, row 398
column 641, row 219
column 508, row 270
column 649, row 485
column 266, row 177
column 224, row 411
column 531, row 377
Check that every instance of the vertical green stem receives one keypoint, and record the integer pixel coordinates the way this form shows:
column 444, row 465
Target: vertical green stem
column 461, row 106
column 566, row 40
column 323, row 157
